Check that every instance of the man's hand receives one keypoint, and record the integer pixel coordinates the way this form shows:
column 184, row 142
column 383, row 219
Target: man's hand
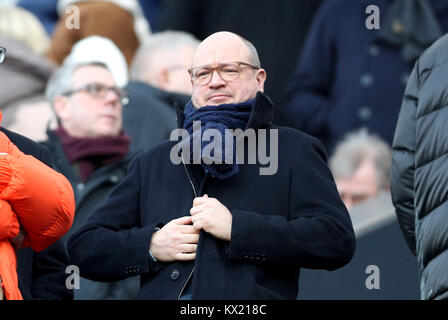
column 177, row 240
column 212, row 216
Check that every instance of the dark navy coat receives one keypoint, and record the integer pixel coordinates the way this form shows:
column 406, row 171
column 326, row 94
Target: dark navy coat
column 282, row 222
column 347, row 77
column 89, row 195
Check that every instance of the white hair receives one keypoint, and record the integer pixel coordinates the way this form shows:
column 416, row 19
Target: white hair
column 161, row 42
column 358, row 147
column 61, row 79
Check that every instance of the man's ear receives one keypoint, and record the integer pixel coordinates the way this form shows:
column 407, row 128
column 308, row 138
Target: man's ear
column 261, row 78
column 163, row 78
column 61, row 107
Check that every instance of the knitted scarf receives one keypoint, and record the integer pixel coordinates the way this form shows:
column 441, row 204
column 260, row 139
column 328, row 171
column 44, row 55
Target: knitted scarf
column 221, row 117
column 92, row 153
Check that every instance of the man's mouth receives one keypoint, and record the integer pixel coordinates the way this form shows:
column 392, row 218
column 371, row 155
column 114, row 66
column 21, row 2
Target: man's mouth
column 109, row 117
column 219, row 96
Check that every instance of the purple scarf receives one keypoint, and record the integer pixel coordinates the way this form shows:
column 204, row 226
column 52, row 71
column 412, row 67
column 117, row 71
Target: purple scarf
column 92, row 153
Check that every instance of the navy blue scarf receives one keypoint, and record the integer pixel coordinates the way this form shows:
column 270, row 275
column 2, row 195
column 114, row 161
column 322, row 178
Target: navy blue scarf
column 222, row 117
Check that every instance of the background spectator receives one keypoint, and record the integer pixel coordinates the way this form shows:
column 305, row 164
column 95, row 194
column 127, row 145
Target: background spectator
column 90, row 148
column 164, row 59
column 361, row 167
column 160, row 79
column 120, row 21
column 24, row 73
column 349, row 76
column 41, row 275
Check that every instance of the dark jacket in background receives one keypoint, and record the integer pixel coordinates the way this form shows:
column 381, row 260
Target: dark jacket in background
column 88, row 197
column 276, row 28
column 282, row 222
column 347, row 77
column 149, row 117
column 419, row 175
column 44, row 10
column 41, row 274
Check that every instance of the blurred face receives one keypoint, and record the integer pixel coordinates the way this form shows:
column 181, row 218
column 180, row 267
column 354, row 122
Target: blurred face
column 224, row 47
column 83, row 114
column 177, row 78
column 360, row 187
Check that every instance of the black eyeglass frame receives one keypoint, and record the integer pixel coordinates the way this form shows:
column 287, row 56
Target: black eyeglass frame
column 122, row 94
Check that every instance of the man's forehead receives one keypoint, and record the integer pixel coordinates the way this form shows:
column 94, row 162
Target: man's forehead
column 93, row 73
column 213, row 51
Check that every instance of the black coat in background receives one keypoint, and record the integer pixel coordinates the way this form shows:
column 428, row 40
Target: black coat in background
column 276, row 28
column 282, row 222
column 149, row 117
column 89, row 195
column 41, row 274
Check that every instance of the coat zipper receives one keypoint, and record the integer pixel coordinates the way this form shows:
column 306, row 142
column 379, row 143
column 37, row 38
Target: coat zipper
column 196, row 195
column 189, row 179
column 185, row 284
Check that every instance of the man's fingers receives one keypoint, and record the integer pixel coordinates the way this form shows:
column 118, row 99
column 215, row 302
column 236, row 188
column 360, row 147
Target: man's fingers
column 198, row 209
column 198, row 225
column 187, row 229
column 188, row 248
column 188, row 237
column 200, row 200
column 183, row 220
column 185, row 256
column 191, row 238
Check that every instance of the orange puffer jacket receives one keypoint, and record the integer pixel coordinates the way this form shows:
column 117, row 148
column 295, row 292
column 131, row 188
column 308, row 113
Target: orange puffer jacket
column 32, row 196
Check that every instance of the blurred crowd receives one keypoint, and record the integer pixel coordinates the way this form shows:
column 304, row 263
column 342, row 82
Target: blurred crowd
column 329, row 76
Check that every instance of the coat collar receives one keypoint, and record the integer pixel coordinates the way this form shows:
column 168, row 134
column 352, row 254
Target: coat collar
column 261, row 115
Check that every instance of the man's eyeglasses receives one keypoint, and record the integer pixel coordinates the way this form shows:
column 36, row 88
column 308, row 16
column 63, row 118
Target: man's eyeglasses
column 227, row 71
column 2, row 54
column 98, row 90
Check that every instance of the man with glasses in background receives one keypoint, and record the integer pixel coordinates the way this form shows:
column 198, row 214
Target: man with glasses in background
column 90, row 148
column 220, row 230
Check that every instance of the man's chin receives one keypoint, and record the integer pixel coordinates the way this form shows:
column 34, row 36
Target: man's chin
column 108, row 132
column 219, row 101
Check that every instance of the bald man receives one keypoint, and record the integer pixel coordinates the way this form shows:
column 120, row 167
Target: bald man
column 232, row 208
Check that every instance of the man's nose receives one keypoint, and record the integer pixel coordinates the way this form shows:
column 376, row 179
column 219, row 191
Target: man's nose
column 216, row 80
